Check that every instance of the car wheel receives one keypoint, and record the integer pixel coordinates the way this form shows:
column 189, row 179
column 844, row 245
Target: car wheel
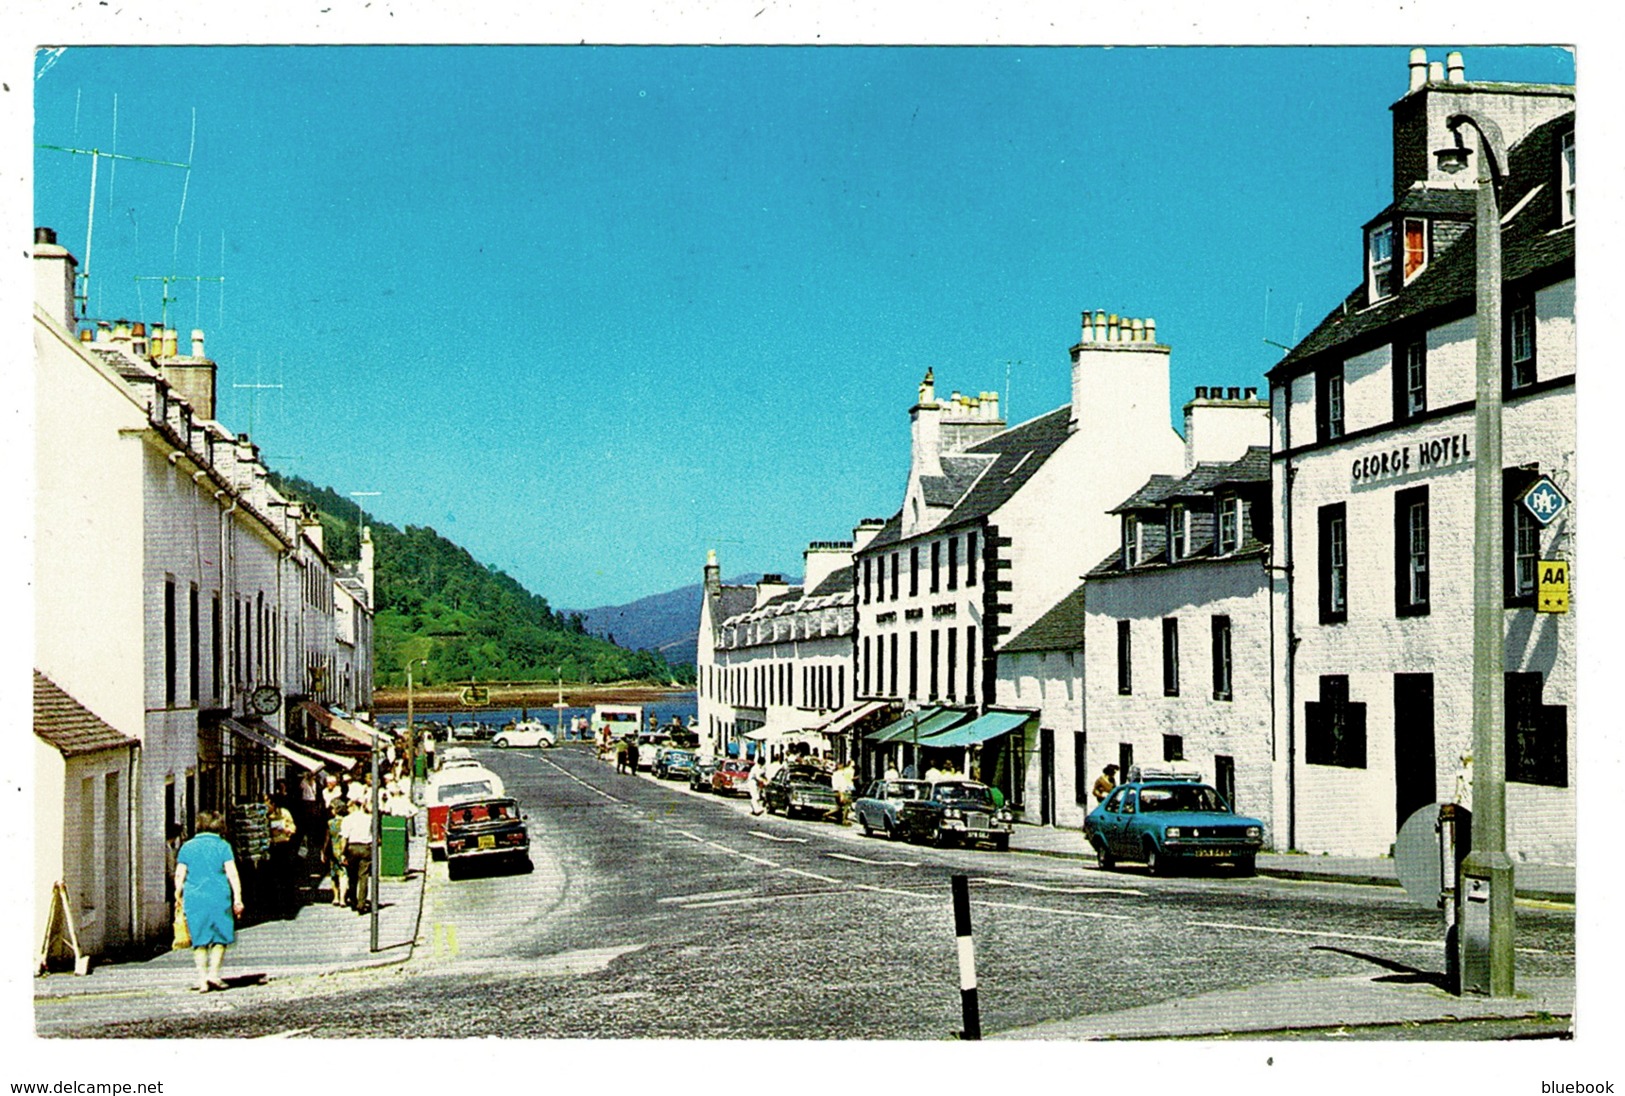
column 863, row 820
column 890, row 828
column 501, row 743
column 1155, row 862
column 1246, row 866
column 1104, row 860
column 1001, row 842
column 938, row 838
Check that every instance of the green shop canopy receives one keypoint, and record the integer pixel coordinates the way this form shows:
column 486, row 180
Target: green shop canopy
column 931, row 721
column 891, row 732
column 991, row 725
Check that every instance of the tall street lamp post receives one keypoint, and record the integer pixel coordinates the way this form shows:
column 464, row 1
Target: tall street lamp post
column 1486, row 891
column 410, row 735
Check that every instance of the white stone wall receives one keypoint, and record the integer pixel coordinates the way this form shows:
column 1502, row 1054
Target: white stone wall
column 1239, row 728
column 1352, row 810
column 1050, row 682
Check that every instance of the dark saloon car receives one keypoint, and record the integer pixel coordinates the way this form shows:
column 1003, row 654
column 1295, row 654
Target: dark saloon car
column 1165, row 822
column 956, row 810
column 798, row 791
column 485, row 829
column 700, row 779
column 877, row 808
column 674, row 764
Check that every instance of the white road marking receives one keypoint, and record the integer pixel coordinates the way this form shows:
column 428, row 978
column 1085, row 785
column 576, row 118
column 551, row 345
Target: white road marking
column 866, row 860
column 1334, row 935
column 705, row 896
column 1047, row 909
column 289, row 1034
column 820, row 878
column 776, row 837
column 578, row 780
column 1058, row 890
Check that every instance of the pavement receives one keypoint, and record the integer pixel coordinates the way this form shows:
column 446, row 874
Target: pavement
column 320, row 939
column 323, row 939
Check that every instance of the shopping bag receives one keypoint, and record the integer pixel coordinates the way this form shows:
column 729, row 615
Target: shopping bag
column 183, row 937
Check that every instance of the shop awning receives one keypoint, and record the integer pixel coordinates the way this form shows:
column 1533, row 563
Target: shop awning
column 910, row 728
column 989, row 726
column 337, row 725
column 843, row 722
column 268, row 740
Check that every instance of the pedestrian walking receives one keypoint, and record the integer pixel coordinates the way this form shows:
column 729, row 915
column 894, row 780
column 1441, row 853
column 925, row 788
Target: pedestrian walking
column 357, row 832
column 284, row 882
column 333, row 854
column 632, row 756
column 755, row 781
column 843, row 781
column 1104, row 783
column 620, row 756
column 209, row 890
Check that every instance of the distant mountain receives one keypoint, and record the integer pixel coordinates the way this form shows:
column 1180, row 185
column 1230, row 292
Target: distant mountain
column 666, row 623
column 470, row 620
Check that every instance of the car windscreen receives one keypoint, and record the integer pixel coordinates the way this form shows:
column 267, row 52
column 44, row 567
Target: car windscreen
column 448, row 792
column 964, row 793
column 1190, row 797
column 808, row 776
column 907, row 789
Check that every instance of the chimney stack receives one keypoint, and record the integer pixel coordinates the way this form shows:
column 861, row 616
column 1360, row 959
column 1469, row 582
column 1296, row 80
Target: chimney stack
column 713, row 575
column 1118, row 366
column 54, row 277
column 1419, row 68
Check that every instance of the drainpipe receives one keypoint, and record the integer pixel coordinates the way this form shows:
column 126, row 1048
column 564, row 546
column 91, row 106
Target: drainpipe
column 1290, row 681
column 132, row 811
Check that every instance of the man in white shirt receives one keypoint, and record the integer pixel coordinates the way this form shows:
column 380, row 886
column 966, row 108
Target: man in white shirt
column 842, row 782
column 356, row 831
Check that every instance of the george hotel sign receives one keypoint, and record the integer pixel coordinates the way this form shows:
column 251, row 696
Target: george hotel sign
column 1430, row 454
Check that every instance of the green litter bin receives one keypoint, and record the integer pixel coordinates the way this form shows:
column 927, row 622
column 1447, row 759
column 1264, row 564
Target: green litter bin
column 392, row 854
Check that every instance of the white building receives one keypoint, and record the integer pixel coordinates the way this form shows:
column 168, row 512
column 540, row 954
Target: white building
column 1082, row 720
column 996, row 526
column 165, row 575
column 1374, row 453
column 777, row 668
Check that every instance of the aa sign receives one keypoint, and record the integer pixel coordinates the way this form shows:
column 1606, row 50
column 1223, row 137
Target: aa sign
column 1554, row 586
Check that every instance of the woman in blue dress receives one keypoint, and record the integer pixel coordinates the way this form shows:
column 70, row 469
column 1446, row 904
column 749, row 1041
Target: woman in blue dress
column 207, row 885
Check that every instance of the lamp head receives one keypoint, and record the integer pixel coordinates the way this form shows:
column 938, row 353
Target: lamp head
column 1453, row 159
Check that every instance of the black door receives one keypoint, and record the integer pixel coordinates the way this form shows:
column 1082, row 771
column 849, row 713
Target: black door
column 1414, row 767
column 1224, row 779
column 1046, row 776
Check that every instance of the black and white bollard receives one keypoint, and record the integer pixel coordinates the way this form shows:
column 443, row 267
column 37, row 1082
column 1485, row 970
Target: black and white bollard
column 967, row 959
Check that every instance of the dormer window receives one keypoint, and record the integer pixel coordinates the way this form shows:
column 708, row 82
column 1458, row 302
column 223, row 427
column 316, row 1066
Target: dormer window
column 1566, row 170
column 1416, row 247
column 1178, row 524
column 1229, row 524
column 1131, row 541
column 1380, row 262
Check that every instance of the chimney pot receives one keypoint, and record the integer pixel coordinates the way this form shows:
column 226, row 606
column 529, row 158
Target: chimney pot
column 1252, row 393
column 1201, row 392
column 44, row 235
column 1435, row 72
column 1419, row 68
column 1150, row 330
column 86, row 334
column 1235, row 394
column 1456, row 67
column 1136, row 331
column 197, row 343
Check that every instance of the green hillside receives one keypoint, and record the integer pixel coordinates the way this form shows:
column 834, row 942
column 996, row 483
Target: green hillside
column 471, row 621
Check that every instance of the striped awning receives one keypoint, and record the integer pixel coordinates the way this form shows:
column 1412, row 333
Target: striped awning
column 337, row 725
column 989, row 726
column 919, row 727
column 265, row 738
column 844, row 721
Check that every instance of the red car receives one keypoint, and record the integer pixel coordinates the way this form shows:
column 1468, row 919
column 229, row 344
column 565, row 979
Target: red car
column 730, row 777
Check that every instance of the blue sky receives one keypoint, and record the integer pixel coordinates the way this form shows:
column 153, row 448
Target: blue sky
column 592, row 311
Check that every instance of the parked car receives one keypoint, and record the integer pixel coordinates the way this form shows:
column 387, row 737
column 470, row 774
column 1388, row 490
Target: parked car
column 730, row 777
column 956, row 810
column 798, row 791
column 1164, row 822
column 457, row 784
column 457, row 755
column 700, row 779
column 649, row 746
column 485, row 829
column 674, row 764
column 470, row 732
column 877, row 808
column 527, row 732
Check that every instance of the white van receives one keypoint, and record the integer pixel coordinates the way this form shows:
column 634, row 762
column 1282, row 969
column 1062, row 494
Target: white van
column 456, row 784
column 622, row 720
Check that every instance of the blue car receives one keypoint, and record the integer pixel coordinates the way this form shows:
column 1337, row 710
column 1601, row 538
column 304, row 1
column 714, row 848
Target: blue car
column 1166, row 822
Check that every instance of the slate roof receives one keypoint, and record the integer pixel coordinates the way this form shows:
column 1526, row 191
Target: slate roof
column 1059, row 629
column 1018, row 453
column 1149, row 496
column 68, row 725
column 734, row 600
column 960, row 471
column 1531, row 243
column 836, row 582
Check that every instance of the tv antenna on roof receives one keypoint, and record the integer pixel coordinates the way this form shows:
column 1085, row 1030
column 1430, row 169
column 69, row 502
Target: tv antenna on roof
column 1297, row 318
column 167, row 279
column 81, row 296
